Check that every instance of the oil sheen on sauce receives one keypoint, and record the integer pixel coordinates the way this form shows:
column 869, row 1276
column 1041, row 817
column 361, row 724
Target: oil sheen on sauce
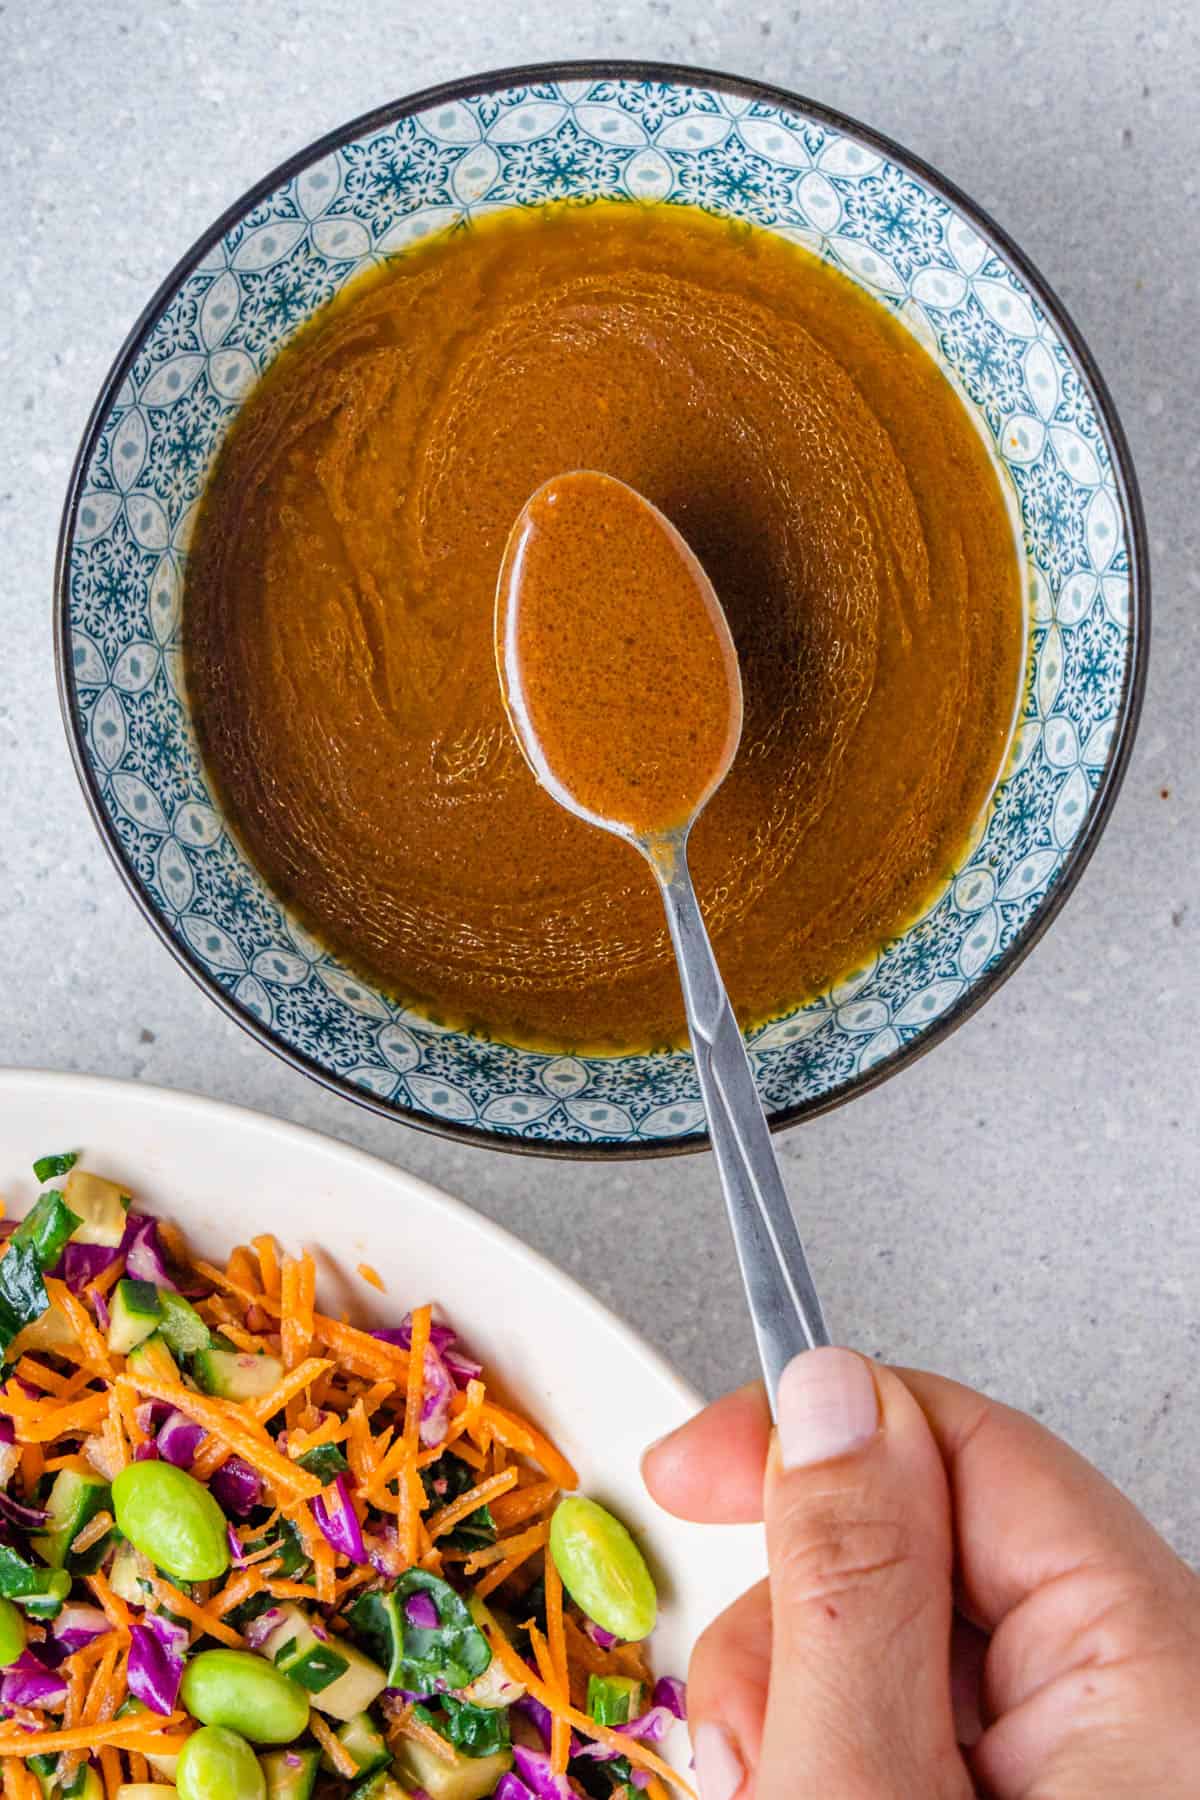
column 339, row 607
column 615, row 662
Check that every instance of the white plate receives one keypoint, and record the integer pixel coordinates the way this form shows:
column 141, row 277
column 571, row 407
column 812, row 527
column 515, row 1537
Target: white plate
column 591, row 1383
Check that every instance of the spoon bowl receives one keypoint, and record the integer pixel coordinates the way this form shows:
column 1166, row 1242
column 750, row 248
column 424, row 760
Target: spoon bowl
column 620, row 680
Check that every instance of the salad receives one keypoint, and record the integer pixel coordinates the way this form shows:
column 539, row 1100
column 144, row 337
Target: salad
column 249, row 1551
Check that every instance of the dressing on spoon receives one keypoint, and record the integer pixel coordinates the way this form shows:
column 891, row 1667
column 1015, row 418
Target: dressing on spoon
column 621, row 683
column 616, row 664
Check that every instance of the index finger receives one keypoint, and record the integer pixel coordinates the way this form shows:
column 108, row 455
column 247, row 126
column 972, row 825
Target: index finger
column 711, row 1470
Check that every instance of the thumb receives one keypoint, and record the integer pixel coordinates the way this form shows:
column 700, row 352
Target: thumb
column 859, row 1539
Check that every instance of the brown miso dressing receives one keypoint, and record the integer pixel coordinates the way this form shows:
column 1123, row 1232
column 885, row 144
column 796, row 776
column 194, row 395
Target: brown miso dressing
column 616, row 665
column 339, row 615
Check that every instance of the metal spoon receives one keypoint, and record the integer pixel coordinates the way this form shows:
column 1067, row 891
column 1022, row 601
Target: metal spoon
column 783, row 1301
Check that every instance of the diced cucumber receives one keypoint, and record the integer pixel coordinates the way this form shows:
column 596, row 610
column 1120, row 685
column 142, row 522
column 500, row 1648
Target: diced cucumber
column 316, row 1668
column 361, row 1740
column 145, row 1790
column 295, row 1648
column 50, row 1331
column 152, row 1357
column 45, row 1769
column 614, row 1699
column 182, row 1326
column 100, row 1207
column 381, row 1786
column 135, row 1312
column 466, row 1778
column 86, row 1785
column 73, row 1500
column 131, row 1574
column 291, row 1774
column 236, row 1374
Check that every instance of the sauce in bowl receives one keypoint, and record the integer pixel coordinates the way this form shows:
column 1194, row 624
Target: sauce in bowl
column 617, row 668
column 338, row 615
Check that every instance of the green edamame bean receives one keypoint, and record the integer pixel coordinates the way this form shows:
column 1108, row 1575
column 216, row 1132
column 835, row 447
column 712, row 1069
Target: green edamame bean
column 218, row 1765
column 602, row 1568
column 12, row 1633
column 245, row 1693
column 169, row 1517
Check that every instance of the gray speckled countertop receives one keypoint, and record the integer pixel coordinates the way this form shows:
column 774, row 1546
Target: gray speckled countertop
column 1021, row 1208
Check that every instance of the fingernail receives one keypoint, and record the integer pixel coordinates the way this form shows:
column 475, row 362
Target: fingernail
column 719, row 1769
column 827, row 1407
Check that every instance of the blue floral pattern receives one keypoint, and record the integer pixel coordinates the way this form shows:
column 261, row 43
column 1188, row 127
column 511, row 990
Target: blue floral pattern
column 883, row 224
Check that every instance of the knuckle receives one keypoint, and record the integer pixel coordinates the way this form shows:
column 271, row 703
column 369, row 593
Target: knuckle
column 830, row 1558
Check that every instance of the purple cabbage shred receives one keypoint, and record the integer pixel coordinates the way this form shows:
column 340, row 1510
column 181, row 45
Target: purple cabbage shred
column 157, row 1651
column 335, row 1514
column 236, row 1487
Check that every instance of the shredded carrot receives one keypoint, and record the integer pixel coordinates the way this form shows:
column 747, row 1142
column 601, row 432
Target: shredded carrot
column 33, row 1465
column 64, row 1421
column 148, row 1732
column 93, row 1346
column 114, row 1430
column 519, row 1435
column 331, row 1430
column 298, row 1289
column 19, row 1783
column 127, row 1400
column 240, row 1290
column 525, row 1503
column 241, row 1268
column 376, row 1394
column 520, row 1549
column 104, row 1691
column 301, row 1376
column 107, row 1278
column 110, row 1769
column 139, row 1768
column 250, row 1341
column 361, row 1451
column 267, row 1251
column 560, row 1740
column 237, row 1589
column 372, row 1276
column 37, row 1375
column 406, row 1725
column 98, row 1526
column 115, row 1609
column 475, row 1497
column 333, row 1747
column 318, row 1551
column 301, row 1590
column 203, row 1617
column 422, row 1321
column 358, row 1351
column 78, row 1465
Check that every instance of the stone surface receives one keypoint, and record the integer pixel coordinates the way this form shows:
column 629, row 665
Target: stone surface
column 1019, row 1209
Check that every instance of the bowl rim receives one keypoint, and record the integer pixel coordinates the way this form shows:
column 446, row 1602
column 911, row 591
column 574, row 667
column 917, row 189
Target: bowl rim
column 1128, row 495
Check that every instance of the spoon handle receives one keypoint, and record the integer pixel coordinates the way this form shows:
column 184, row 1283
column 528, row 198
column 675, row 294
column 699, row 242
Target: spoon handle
column 783, row 1300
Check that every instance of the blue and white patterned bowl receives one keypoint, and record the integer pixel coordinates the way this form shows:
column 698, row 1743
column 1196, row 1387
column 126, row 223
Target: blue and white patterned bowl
column 524, row 137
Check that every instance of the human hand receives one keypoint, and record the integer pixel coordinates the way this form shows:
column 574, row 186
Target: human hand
column 959, row 1605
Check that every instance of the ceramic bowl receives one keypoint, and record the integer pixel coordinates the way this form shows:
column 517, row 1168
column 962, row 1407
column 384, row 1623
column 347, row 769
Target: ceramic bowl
column 221, row 1172
column 524, row 137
